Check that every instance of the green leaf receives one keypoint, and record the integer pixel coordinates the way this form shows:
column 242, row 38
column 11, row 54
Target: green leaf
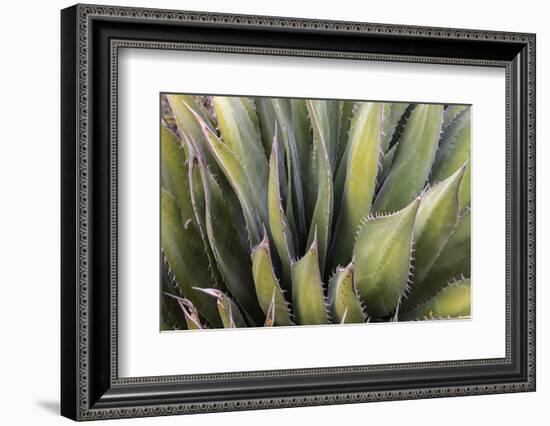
column 267, row 121
column 454, row 151
column 191, row 118
column 188, row 311
column 435, row 222
column 191, row 314
column 346, row 114
column 270, row 314
column 308, row 301
column 295, row 209
column 184, row 107
column 228, row 310
column 321, row 222
column 199, row 209
column 241, row 135
column 236, row 176
column 387, row 162
column 413, row 160
column 268, row 290
column 382, row 259
column 232, row 258
column 451, row 112
column 325, row 119
column 171, row 313
column 451, row 302
column 360, row 183
column 452, row 263
column 184, row 252
column 302, row 132
column 393, row 112
column 343, row 299
column 174, row 171
column 280, row 230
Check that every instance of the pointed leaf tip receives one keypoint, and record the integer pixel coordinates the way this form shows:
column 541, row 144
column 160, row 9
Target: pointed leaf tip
column 382, row 253
column 345, row 305
column 308, row 300
column 268, row 288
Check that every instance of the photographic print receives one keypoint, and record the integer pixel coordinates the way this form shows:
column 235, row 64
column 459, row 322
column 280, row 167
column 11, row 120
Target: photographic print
column 289, row 212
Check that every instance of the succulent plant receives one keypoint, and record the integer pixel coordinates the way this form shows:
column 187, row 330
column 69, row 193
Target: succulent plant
column 278, row 212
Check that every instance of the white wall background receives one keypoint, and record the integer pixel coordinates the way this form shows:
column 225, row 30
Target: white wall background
column 29, row 213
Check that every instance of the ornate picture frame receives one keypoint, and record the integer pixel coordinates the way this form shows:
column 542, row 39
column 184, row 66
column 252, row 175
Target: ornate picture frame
column 91, row 37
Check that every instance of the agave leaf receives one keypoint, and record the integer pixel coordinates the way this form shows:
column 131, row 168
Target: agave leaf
column 393, row 112
column 360, row 182
column 184, row 252
column 199, row 209
column 302, row 132
column 451, row 112
column 174, row 171
column 250, row 108
column 308, row 300
column 345, row 306
column 280, row 230
column 435, row 222
column 166, row 115
column 452, row 263
column 236, row 176
column 453, row 301
column 326, row 113
column 226, row 246
column 172, row 317
column 454, row 150
column 190, row 313
column 228, row 310
column 321, row 222
column 190, row 118
column 184, row 107
column 269, row 293
column 241, row 134
column 413, row 159
column 295, row 209
column 387, row 162
column 267, row 121
column 382, row 259
column 346, row 114
column 270, row 314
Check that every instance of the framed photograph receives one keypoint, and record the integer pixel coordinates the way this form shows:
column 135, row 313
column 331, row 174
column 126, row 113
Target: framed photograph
column 263, row 212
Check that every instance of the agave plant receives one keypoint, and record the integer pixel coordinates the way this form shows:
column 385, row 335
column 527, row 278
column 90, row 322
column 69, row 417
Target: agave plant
column 292, row 211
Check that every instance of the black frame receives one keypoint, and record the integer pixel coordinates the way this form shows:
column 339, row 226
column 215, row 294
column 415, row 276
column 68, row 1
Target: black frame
column 90, row 38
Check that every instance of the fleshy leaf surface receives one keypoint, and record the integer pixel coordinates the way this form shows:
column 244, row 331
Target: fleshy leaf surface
column 392, row 115
column 308, row 300
column 362, row 161
column 230, row 315
column 452, row 263
column 240, row 132
column 279, row 227
column 451, row 302
column 237, row 178
column 227, row 248
column 174, row 171
column 435, row 222
column 454, row 151
column 321, row 222
column 413, row 159
column 383, row 258
column 184, row 252
column 270, row 294
column 345, row 305
column 295, row 208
